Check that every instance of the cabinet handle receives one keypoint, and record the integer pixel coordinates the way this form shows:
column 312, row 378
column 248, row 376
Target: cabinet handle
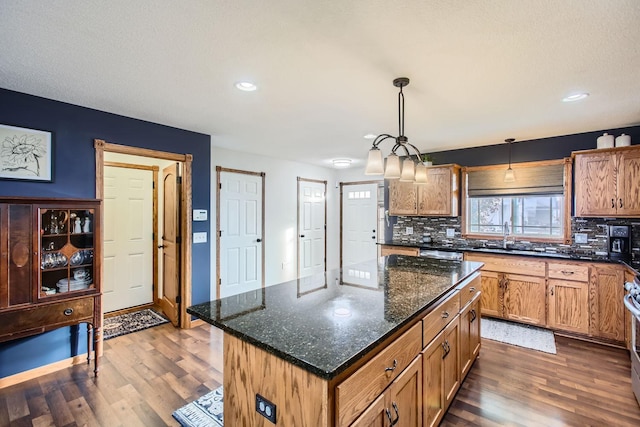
column 446, row 348
column 388, row 412
column 551, row 291
column 68, row 311
column 472, row 289
column 620, row 203
column 392, row 368
column 613, row 203
column 395, row 408
column 445, row 315
column 567, row 273
column 473, row 316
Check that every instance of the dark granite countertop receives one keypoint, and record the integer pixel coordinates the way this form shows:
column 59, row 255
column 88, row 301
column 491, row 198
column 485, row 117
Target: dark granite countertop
column 324, row 324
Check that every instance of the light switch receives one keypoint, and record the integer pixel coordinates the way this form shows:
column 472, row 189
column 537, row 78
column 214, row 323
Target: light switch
column 408, row 230
column 200, row 237
column 581, row 238
column 451, row 232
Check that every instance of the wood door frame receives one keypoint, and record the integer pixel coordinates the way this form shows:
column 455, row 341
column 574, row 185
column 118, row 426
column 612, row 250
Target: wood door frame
column 186, row 160
column 154, row 218
column 220, row 169
column 344, row 184
column 317, row 181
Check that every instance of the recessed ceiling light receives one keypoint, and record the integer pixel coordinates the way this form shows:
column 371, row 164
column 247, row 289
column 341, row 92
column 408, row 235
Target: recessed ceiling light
column 369, row 136
column 341, row 163
column 575, row 97
column 246, row 86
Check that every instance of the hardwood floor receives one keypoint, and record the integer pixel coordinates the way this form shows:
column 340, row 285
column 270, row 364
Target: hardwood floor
column 145, row 376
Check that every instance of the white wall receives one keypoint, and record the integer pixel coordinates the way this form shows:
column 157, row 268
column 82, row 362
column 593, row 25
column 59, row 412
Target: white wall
column 280, row 234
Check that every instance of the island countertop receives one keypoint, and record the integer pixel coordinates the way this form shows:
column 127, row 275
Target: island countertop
column 325, row 323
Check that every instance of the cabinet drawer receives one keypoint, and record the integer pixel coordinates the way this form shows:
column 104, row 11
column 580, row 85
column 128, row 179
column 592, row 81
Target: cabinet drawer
column 439, row 318
column 356, row 393
column 470, row 290
column 45, row 317
column 509, row 264
column 568, row 271
column 398, row 250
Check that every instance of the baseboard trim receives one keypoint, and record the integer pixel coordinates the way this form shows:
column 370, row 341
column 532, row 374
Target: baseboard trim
column 43, row 370
column 195, row 323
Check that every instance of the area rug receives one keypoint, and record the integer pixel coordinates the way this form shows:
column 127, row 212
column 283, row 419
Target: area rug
column 204, row 412
column 517, row 334
column 123, row 324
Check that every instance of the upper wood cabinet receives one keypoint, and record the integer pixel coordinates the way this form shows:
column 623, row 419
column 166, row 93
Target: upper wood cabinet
column 440, row 196
column 607, row 182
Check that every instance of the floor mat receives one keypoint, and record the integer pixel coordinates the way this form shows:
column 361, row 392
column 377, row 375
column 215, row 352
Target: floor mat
column 516, row 334
column 204, row 412
column 123, row 324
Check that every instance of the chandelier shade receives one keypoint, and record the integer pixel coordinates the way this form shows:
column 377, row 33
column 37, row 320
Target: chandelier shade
column 412, row 170
column 509, row 174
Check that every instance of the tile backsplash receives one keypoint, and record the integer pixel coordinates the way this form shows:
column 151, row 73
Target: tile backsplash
column 435, row 228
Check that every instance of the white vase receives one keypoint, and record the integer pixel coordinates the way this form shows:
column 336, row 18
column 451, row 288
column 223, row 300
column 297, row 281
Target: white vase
column 87, row 225
column 623, row 141
column 605, row 141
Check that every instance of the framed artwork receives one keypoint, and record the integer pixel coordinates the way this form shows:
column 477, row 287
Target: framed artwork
column 25, row 154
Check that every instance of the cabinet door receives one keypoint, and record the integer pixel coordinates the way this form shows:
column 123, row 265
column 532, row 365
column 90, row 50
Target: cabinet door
column 432, row 382
column 374, row 416
column 595, row 191
column 469, row 336
column 628, row 183
column 434, row 197
column 451, row 361
column 402, row 198
column 16, row 231
column 606, row 291
column 491, row 293
column 569, row 305
column 405, row 396
column 525, row 299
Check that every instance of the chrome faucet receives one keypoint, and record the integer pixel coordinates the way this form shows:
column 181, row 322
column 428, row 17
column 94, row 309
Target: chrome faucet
column 505, row 233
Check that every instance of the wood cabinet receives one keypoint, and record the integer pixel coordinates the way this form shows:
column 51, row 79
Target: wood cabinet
column 398, row 250
column 607, row 182
column 581, row 297
column 440, row 196
column 568, row 297
column 513, row 288
column 469, row 335
column 403, row 198
column 607, row 312
column 441, row 375
column 49, row 270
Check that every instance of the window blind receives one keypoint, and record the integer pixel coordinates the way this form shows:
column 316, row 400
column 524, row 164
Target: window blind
column 530, row 180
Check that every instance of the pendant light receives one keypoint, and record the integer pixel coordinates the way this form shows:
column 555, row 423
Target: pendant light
column 412, row 168
column 509, row 174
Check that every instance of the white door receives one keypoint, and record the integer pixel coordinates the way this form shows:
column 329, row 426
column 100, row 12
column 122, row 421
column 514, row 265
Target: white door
column 240, row 233
column 311, row 228
column 359, row 223
column 128, row 238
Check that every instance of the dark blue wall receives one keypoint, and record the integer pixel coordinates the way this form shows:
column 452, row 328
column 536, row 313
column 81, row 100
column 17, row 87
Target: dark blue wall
column 555, row 147
column 74, row 128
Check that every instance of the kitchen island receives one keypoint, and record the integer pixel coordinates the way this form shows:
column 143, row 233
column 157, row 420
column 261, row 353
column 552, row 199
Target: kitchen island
column 325, row 351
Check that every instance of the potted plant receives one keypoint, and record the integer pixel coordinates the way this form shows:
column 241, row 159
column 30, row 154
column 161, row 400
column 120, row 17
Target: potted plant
column 427, row 160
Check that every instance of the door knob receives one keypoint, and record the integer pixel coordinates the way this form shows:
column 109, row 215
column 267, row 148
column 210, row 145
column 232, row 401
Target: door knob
column 302, row 235
column 259, row 240
column 160, row 246
column 373, row 237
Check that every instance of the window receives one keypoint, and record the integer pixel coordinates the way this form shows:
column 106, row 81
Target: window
column 526, row 215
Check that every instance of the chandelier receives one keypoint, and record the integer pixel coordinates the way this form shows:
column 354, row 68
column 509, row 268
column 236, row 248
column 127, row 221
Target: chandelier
column 413, row 170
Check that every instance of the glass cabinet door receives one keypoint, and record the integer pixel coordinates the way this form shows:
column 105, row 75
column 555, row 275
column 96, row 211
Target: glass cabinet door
column 66, row 251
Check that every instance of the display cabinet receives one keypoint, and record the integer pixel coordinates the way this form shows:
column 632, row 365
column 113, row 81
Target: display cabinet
column 50, row 267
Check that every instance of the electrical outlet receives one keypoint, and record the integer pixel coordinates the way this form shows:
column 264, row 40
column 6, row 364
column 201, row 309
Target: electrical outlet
column 581, row 238
column 408, row 230
column 451, row 232
column 266, row 408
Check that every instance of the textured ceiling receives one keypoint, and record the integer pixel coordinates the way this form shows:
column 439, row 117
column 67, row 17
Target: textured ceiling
column 480, row 71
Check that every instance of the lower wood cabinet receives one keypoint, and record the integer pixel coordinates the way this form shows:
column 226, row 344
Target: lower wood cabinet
column 568, row 305
column 398, row 250
column 441, row 375
column 524, row 299
column 469, row 335
column 607, row 312
column 400, row 404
